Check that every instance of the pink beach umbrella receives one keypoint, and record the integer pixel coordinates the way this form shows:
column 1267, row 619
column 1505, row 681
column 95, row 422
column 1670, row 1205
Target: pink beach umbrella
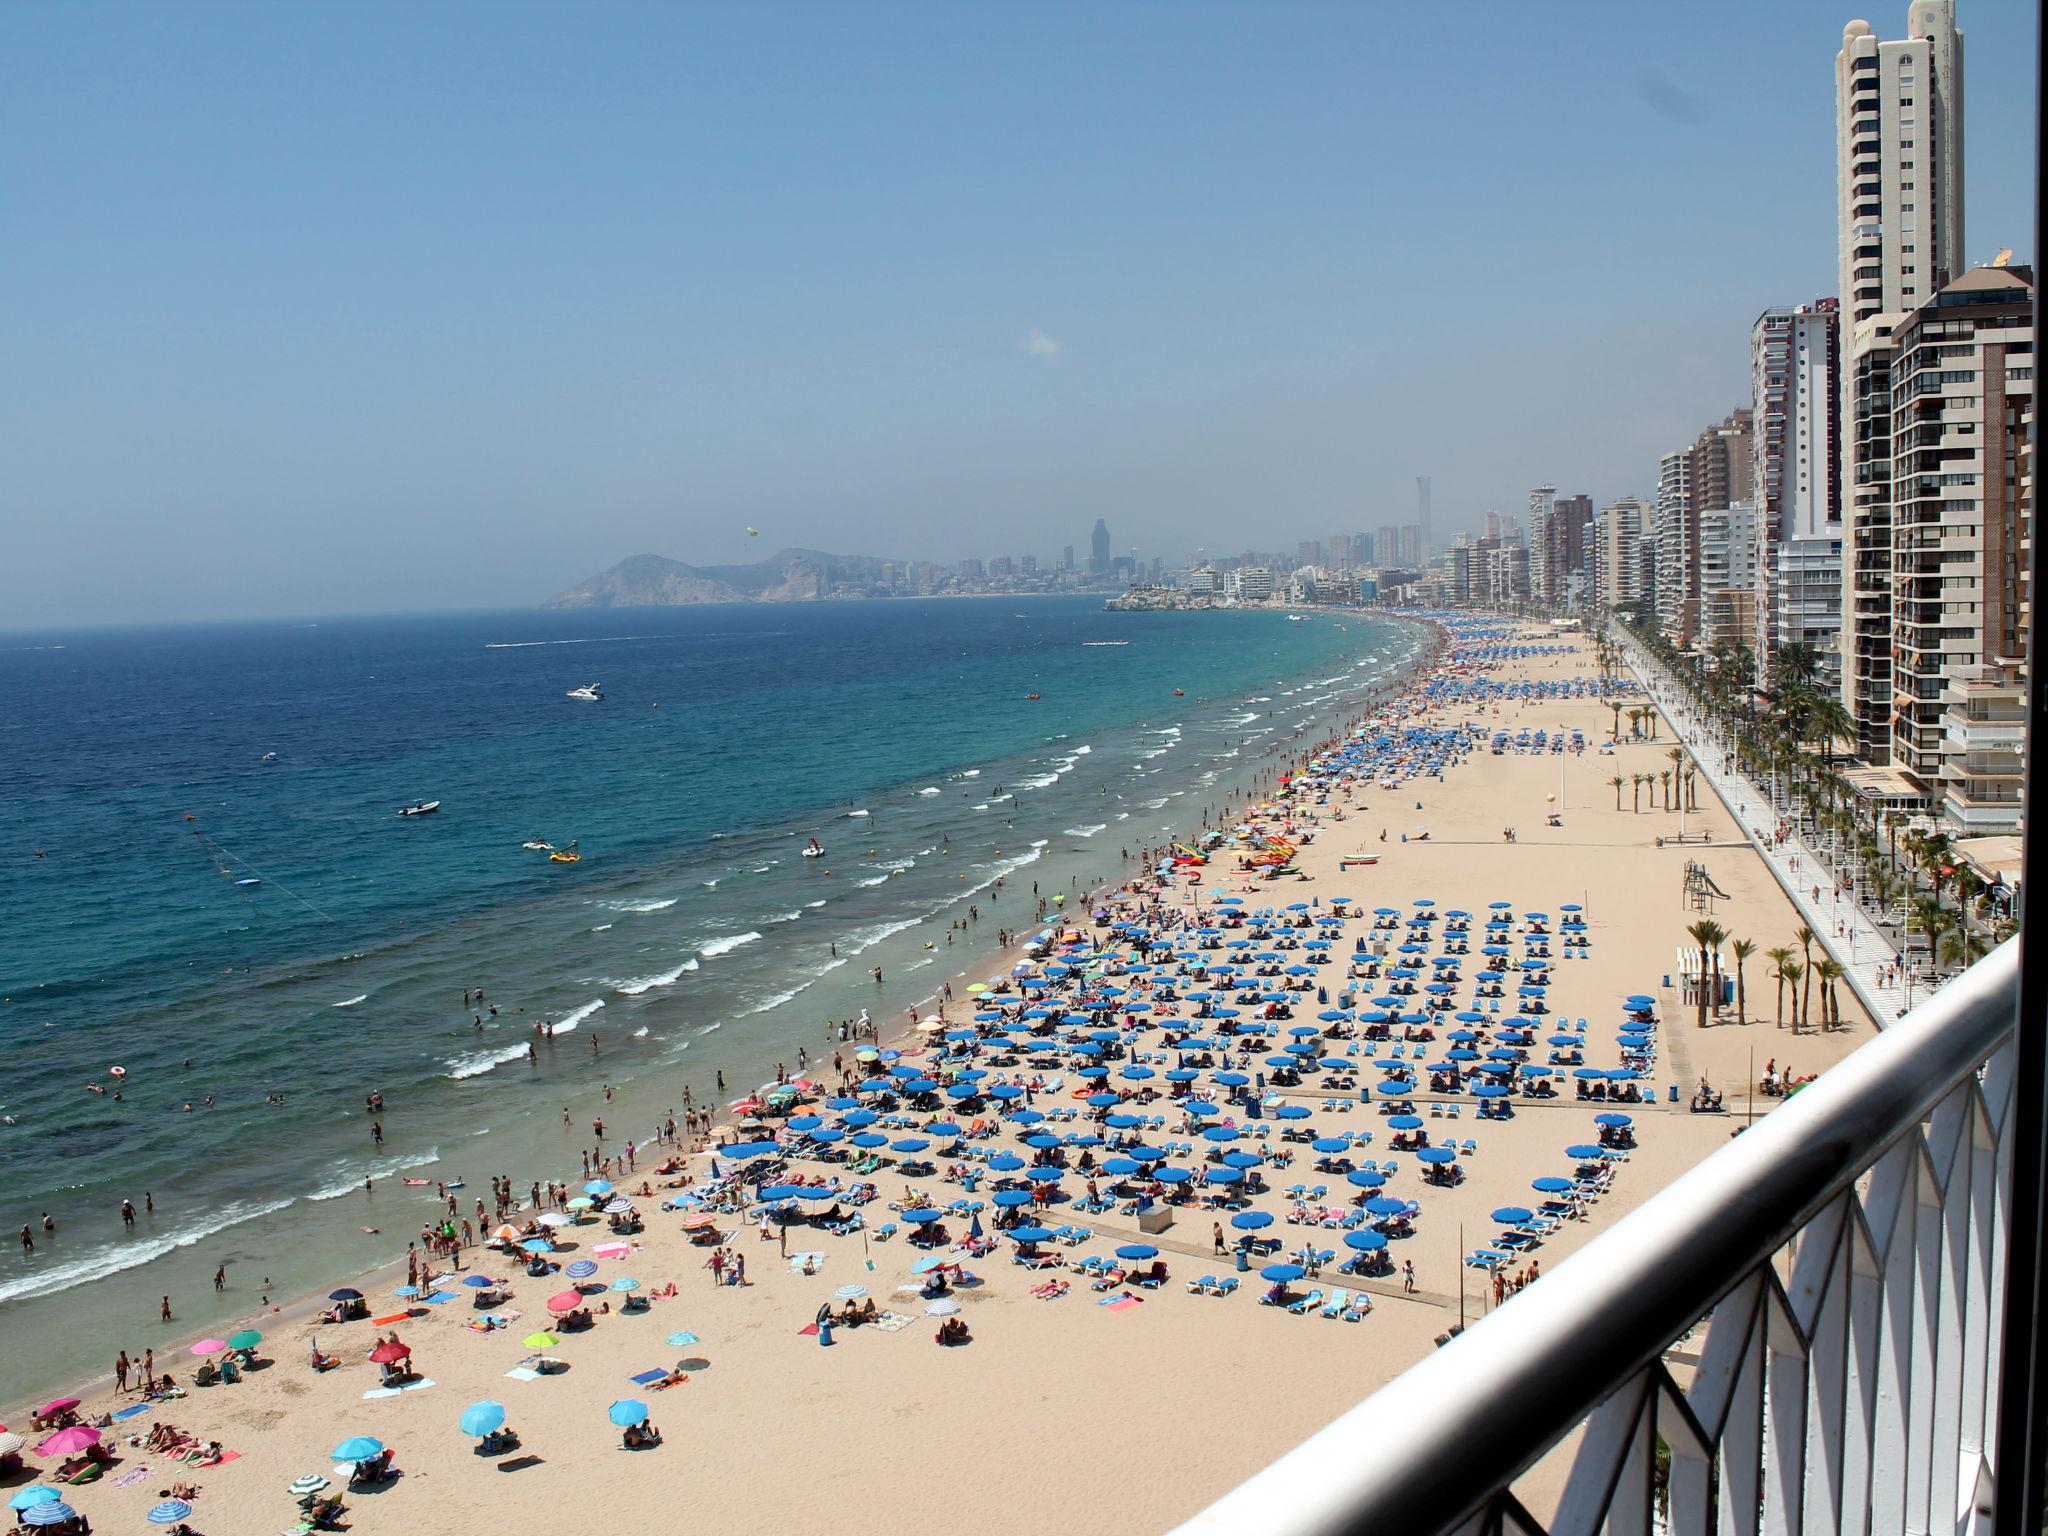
column 210, row 1347
column 56, row 1405
column 69, row 1442
column 565, row 1301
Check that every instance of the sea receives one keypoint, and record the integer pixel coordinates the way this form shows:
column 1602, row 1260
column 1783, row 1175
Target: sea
column 220, row 936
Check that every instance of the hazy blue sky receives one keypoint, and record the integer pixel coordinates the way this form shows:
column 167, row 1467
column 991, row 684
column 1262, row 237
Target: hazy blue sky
column 358, row 306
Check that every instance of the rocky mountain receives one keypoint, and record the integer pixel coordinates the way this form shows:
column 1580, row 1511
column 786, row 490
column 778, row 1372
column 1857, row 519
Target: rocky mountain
column 653, row 581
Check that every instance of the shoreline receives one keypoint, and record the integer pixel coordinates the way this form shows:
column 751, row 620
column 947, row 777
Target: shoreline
column 1282, row 756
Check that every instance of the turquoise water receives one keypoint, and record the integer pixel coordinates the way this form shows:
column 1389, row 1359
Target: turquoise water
column 692, row 938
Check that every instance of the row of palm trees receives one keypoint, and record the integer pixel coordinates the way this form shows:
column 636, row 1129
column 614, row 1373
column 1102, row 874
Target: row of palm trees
column 1784, row 728
column 1679, row 784
column 1795, row 970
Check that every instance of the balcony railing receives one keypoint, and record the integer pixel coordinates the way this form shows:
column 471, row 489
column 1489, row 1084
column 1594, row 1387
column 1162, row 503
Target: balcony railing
column 1846, row 1255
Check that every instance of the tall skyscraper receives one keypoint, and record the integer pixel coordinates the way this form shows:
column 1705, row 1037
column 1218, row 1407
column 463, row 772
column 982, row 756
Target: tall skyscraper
column 1622, row 563
column 1098, row 548
column 1066, row 557
column 1795, row 480
column 1422, row 517
column 1961, row 519
column 1899, row 237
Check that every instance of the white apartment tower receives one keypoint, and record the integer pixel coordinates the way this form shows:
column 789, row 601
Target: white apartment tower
column 1899, row 238
column 1795, row 480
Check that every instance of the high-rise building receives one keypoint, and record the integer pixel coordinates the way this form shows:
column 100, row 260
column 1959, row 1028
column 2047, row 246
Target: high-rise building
column 1557, row 546
column 1962, row 381
column 1340, row 549
column 1424, row 542
column 1309, row 552
column 1795, row 480
column 1386, row 546
column 1899, row 237
column 1622, row 545
column 1066, row 557
column 1500, row 525
column 1711, row 474
column 1098, row 548
column 1028, row 564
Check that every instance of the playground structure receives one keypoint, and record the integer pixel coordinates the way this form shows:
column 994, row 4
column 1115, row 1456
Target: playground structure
column 1700, row 890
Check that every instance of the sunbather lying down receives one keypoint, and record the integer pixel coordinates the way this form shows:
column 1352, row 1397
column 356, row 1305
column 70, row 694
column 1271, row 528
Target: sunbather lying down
column 1052, row 1290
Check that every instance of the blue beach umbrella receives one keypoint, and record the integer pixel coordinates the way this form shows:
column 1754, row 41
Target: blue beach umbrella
column 1405, row 1123
column 357, row 1448
column 34, row 1494
column 1241, row 1159
column 1172, row 1175
column 922, row 1217
column 1550, row 1185
column 1030, row 1234
column 1512, row 1215
column 869, row 1140
column 909, row 1144
column 1137, row 1251
column 744, row 1151
column 1220, row 1133
column 1225, row 1175
column 1435, row 1155
column 1330, row 1144
column 1251, row 1221
column 54, row 1512
column 1282, row 1272
column 1385, row 1205
column 1585, row 1152
column 1612, row 1119
column 1365, row 1242
column 627, row 1412
column 485, row 1418
column 169, row 1512
column 1011, row 1197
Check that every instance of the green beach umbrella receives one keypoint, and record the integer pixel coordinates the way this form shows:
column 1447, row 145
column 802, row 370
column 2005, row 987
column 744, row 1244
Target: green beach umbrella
column 248, row 1338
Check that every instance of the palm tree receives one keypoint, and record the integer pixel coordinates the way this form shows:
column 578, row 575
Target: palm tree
column 1804, row 936
column 1637, row 780
column 1830, row 971
column 1664, row 778
column 1961, row 949
column 1792, row 971
column 1718, row 936
column 1742, row 950
column 1707, row 935
column 1615, row 705
column 1928, row 915
column 1618, row 782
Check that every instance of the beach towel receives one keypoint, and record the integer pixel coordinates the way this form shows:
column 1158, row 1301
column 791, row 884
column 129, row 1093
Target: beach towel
column 131, row 1477
column 130, row 1411
column 890, row 1322
column 796, row 1261
column 437, row 1298
column 384, row 1322
column 523, row 1373
column 1121, row 1303
column 410, row 1386
column 221, row 1460
column 644, row 1377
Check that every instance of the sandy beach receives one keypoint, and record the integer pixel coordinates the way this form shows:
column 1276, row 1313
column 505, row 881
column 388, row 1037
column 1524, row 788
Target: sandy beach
column 1097, row 1411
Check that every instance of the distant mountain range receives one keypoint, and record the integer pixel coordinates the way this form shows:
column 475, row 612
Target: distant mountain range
column 654, row 581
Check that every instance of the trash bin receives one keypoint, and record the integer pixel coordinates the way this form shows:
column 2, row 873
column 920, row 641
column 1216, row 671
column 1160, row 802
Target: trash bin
column 1674, row 1093
column 825, row 1334
column 1243, row 1262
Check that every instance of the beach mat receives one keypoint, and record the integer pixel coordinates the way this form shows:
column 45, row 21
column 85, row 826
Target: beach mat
column 130, row 1411
column 437, row 1299
column 891, row 1322
column 796, row 1262
column 396, row 1317
column 219, row 1461
column 131, row 1477
column 523, row 1373
column 410, row 1386
column 644, row 1377
column 1121, row 1303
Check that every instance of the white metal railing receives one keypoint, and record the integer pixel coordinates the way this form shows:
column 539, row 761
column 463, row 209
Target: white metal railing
column 1847, row 1257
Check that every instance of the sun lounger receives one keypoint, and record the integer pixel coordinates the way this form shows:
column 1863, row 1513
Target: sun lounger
column 1484, row 1258
column 1203, row 1285
column 1107, row 1279
column 884, row 1232
column 1339, row 1300
column 1224, row 1286
column 1306, row 1304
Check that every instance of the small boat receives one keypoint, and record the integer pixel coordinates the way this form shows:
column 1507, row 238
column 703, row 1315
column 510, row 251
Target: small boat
column 815, row 851
column 1105, row 642
column 567, row 855
column 588, row 691
column 1295, row 618
column 268, row 757
column 247, row 881
column 1031, row 698
column 1180, row 693
column 420, row 808
column 538, row 845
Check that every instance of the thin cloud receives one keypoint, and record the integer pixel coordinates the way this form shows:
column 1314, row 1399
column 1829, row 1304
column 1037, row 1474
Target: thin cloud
column 1040, row 345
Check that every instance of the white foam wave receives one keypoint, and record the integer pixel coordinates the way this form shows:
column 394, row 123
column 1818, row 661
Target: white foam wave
column 350, row 1002
column 878, row 880
column 814, row 905
column 1087, row 831
column 643, row 906
column 384, row 1168
column 931, row 790
column 862, row 939
column 860, row 813
column 521, row 645
column 600, row 928
column 1039, row 781
column 475, row 1066
column 575, row 1016
column 61, row 1277
column 727, row 945
column 641, row 984
column 786, row 917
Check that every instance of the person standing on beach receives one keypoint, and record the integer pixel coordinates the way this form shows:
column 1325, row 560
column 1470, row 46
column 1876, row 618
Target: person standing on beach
column 149, row 1370
column 220, row 1278
column 121, row 1369
column 127, row 1213
column 28, row 1239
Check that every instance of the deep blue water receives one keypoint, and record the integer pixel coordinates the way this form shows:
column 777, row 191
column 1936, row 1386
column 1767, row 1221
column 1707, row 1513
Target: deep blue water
column 691, row 936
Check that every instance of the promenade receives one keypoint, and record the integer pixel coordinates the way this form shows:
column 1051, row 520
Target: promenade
column 1859, row 946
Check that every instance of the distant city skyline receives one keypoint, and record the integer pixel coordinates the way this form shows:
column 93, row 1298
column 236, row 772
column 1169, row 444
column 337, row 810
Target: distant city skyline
column 306, row 323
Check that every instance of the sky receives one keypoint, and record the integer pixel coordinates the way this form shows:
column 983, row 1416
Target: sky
column 315, row 309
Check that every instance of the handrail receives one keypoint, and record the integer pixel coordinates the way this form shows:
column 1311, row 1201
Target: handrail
column 1426, row 1451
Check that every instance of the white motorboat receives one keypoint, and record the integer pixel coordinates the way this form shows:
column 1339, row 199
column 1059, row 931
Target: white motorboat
column 539, row 845
column 420, row 808
column 815, row 851
column 588, row 691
